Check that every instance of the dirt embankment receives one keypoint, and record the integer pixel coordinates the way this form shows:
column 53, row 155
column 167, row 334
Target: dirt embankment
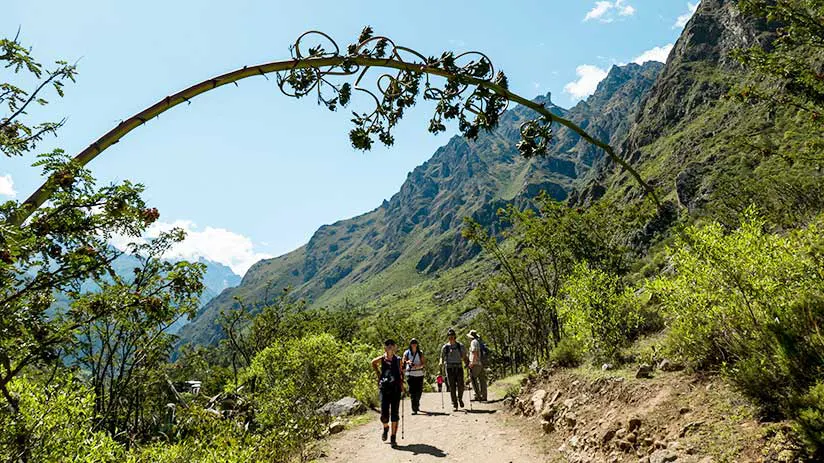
column 593, row 416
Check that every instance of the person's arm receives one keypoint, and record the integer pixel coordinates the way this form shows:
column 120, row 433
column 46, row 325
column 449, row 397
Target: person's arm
column 465, row 357
column 423, row 362
column 375, row 363
column 441, row 361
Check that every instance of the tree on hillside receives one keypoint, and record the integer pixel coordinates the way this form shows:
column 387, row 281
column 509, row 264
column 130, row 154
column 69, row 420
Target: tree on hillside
column 536, row 256
column 790, row 71
column 62, row 248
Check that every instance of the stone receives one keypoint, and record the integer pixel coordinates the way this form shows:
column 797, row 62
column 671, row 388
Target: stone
column 634, row 423
column 547, row 426
column 662, row 456
column 569, row 403
column 336, row 427
column 667, row 365
column 607, row 435
column 690, row 427
column 684, row 410
column 644, row 371
column 647, row 441
column 643, row 460
column 570, row 419
column 607, row 367
column 538, row 400
column 346, row 406
column 624, row 445
column 632, row 438
column 574, row 442
column 549, row 412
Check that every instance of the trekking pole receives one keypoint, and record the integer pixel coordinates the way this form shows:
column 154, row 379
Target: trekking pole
column 403, row 412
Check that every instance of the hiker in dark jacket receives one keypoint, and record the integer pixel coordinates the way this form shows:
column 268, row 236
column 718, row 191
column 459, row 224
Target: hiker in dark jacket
column 415, row 361
column 453, row 356
column 390, row 382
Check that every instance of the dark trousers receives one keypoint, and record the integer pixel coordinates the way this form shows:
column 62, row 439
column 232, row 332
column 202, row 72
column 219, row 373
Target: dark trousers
column 390, row 403
column 415, row 391
column 455, row 382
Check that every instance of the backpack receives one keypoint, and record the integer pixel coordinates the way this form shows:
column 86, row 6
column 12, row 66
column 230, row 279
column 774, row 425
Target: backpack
column 445, row 352
column 484, row 352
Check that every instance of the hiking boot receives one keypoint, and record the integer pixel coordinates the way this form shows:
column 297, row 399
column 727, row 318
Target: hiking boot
column 462, row 404
column 394, row 440
column 385, row 434
column 454, row 407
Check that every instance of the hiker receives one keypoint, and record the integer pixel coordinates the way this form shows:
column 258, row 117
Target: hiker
column 390, row 383
column 477, row 369
column 453, row 356
column 415, row 361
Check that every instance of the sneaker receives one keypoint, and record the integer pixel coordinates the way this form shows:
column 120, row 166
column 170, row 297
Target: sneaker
column 394, row 440
column 414, row 412
column 385, row 434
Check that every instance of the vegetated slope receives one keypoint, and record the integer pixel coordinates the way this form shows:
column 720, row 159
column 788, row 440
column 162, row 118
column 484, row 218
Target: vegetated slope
column 415, row 234
column 706, row 152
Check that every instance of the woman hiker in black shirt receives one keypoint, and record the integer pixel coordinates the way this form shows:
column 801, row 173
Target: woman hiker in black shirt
column 390, row 382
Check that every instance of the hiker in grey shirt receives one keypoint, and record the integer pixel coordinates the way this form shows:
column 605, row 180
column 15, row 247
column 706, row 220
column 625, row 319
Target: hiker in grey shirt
column 453, row 356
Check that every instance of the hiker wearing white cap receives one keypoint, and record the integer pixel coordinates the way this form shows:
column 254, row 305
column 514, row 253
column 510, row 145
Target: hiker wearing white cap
column 477, row 368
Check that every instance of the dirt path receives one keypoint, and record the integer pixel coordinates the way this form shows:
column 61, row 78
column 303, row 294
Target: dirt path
column 481, row 435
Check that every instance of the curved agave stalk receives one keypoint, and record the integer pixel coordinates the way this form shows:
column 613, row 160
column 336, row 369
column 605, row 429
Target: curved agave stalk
column 308, row 74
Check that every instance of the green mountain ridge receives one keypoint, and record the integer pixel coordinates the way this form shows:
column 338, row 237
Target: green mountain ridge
column 415, row 236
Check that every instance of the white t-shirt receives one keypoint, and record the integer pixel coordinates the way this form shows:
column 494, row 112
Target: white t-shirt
column 474, row 352
column 416, row 362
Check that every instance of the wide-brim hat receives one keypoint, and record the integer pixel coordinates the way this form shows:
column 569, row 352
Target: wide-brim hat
column 472, row 334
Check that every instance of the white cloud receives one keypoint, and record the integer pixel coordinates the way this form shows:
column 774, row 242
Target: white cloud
column 7, row 186
column 216, row 244
column 654, row 54
column 588, row 78
column 684, row 18
column 604, row 11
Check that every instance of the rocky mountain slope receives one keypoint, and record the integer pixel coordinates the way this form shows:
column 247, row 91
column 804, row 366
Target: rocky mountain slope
column 415, row 234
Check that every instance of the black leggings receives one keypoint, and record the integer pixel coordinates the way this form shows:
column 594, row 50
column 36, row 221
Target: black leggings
column 390, row 402
column 415, row 391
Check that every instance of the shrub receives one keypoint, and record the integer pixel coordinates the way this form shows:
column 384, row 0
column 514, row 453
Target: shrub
column 567, row 353
column 598, row 312
column 55, row 423
column 749, row 303
column 295, row 377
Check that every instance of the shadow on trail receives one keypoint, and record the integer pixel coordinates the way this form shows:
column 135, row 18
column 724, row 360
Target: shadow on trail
column 435, row 414
column 495, row 401
column 480, row 411
column 425, row 449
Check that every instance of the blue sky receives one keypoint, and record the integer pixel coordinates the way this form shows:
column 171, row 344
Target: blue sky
column 251, row 173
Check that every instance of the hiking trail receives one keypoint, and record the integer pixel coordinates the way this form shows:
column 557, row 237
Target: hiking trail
column 484, row 434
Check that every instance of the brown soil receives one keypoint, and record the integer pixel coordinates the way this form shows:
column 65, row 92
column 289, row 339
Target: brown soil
column 486, row 433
